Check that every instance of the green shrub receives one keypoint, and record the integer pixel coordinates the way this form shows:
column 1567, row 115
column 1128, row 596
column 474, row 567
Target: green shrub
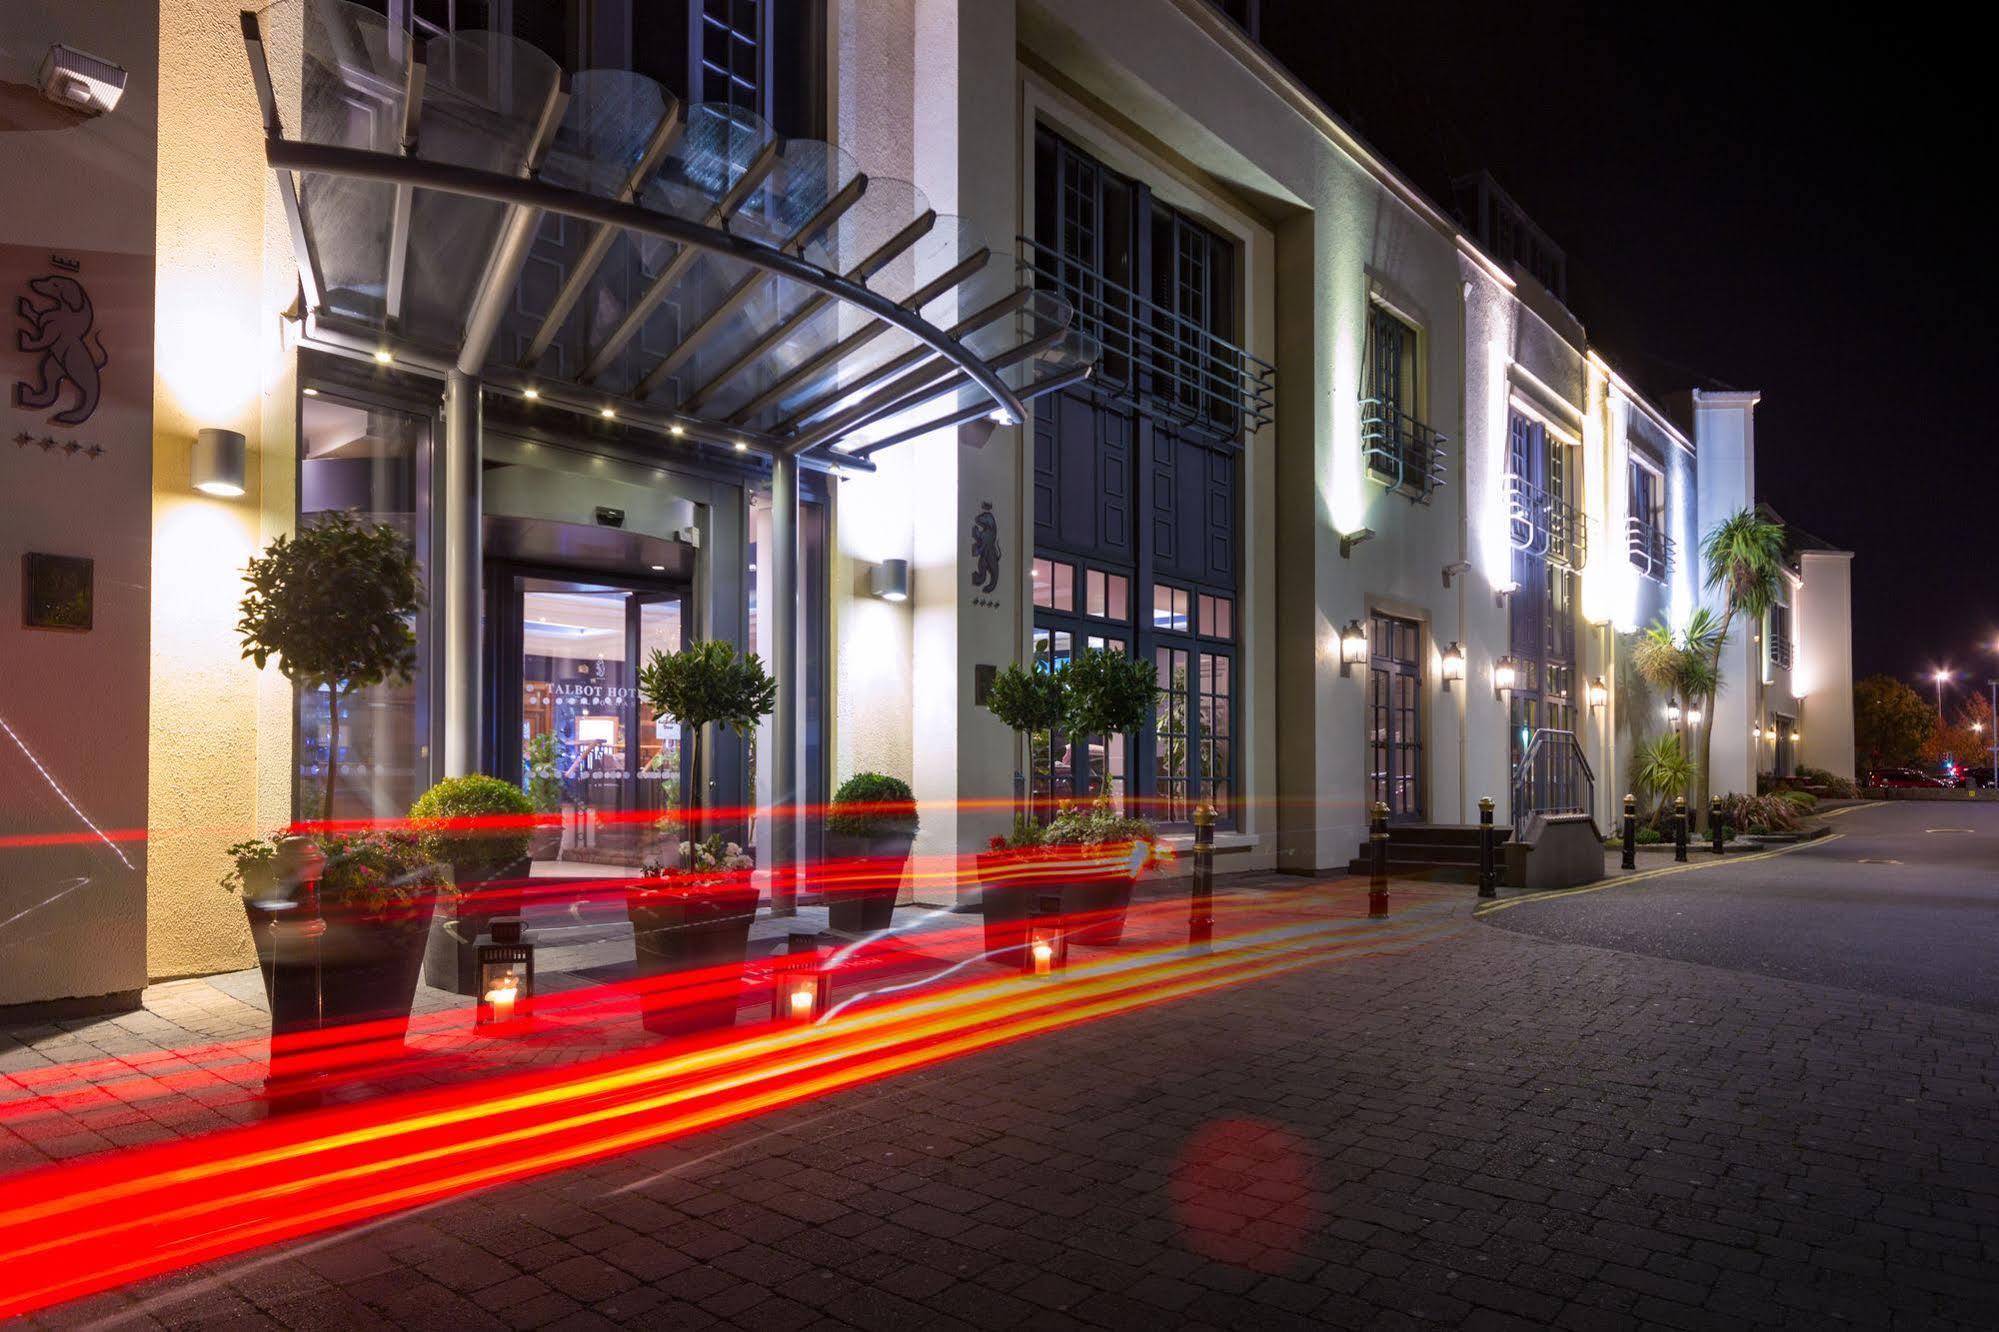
column 1836, row 787
column 1109, row 694
column 1650, row 837
column 1804, row 800
column 376, row 873
column 498, row 813
column 543, row 782
column 1768, row 813
column 869, row 804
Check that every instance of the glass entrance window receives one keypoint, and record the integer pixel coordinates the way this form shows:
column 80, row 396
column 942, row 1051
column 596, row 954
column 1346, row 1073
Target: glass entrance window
column 372, row 463
column 1395, row 716
column 590, row 748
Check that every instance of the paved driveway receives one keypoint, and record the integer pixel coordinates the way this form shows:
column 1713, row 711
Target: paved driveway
column 1496, row 1129
column 1905, row 902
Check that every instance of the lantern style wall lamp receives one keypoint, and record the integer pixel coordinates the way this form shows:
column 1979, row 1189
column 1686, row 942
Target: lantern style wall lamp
column 1693, row 716
column 1353, row 647
column 217, row 465
column 1454, row 664
column 1505, row 675
column 1672, row 712
column 1598, row 694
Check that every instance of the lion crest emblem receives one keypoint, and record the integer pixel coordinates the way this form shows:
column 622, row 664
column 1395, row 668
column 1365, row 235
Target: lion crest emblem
column 986, row 549
column 61, row 326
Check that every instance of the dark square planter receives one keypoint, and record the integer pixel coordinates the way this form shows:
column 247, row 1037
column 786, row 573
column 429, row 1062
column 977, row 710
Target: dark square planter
column 451, row 957
column 861, row 878
column 681, row 926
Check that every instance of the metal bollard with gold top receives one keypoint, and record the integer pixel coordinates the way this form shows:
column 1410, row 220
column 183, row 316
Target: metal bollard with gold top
column 1630, row 860
column 1488, row 851
column 1201, row 905
column 1377, row 882
column 1680, row 829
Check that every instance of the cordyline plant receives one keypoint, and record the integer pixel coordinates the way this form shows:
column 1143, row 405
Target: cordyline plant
column 702, row 684
column 333, row 604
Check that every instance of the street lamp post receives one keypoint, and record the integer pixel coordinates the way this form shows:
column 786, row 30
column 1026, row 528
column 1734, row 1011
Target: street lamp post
column 1940, row 677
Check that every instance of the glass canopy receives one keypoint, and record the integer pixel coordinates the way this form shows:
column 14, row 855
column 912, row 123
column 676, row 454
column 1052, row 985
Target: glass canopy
column 587, row 240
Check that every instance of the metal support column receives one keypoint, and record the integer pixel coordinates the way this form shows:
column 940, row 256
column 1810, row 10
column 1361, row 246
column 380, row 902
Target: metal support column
column 784, row 666
column 461, row 574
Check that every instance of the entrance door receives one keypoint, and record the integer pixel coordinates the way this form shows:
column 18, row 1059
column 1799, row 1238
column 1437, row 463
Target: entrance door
column 1395, row 717
column 569, row 720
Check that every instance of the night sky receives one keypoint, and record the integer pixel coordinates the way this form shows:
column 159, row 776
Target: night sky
column 1778, row 201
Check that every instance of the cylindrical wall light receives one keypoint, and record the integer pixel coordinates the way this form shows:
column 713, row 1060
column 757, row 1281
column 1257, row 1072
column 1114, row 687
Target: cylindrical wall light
column 217, row 465
column 890, row 580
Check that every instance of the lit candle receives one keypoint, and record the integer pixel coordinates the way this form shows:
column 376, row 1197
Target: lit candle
column 501, row 997
column 1044, row 957
column 801, row 1000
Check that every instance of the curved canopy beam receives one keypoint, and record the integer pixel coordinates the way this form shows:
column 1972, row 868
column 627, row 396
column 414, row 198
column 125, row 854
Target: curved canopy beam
column 287, row 155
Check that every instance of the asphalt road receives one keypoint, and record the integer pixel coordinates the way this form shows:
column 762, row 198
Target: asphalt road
column 1905, row 903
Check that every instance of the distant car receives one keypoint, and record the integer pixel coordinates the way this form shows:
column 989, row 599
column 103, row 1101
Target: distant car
column 1902, row 777
column 1976, row 778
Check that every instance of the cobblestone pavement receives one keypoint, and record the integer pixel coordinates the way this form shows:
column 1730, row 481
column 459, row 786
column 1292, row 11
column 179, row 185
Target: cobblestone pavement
column 1491, row 1131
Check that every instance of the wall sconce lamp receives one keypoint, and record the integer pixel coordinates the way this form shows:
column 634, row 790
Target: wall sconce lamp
column 1502, row 591
column 1672, row 712
column 1757, row 730
column 1693, row 716
column 1454, row 664
column 1353, row 648
column 1598, row 693
column 1348, row 540
column 1505, row 674
column 800, row 989
column 889, row 580
column 1453, row 570
column 217, row 465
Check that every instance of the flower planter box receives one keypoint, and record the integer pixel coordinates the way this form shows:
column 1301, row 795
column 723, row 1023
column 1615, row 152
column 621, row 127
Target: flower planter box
column 1094, row 884
column 680, row 925
column 862, row 877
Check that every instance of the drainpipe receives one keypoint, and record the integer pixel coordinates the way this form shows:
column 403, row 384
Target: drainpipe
column 784, row 666
column 461, row 570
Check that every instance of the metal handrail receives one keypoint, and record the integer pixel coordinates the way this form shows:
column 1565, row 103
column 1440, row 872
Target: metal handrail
column 1401, row 450
column 1651, row 549
column 1553, row 776
column 1155, row 355
column 1542, row 524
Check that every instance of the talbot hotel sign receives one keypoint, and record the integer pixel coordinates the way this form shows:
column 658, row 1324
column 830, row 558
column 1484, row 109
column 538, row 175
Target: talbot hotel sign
column 76, row 381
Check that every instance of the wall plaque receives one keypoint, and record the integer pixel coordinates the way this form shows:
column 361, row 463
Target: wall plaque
column 56, row 592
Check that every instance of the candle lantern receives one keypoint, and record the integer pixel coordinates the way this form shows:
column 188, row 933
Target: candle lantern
column 506, row 973
column 1454, row 664
column 800, row 989
column 1047, row 953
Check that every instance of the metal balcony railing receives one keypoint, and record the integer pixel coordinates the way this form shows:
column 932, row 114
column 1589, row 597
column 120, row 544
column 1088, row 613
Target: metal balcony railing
column 1543, row 524
column 1401, row 450
column 1553, row 776
column 1651, row 549
column 1155, row 357
column 1780, row 650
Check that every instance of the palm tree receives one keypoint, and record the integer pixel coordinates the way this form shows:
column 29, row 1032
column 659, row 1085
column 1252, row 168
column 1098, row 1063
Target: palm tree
column 1744, row 558
column 1683, row 665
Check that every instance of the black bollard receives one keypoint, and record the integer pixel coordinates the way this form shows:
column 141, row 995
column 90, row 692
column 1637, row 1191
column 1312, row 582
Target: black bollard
column 1488, row 868
column 1680, row 829
column 1714, row 822
column 1201, row 907
column 1630, row 832
column 1377, row 883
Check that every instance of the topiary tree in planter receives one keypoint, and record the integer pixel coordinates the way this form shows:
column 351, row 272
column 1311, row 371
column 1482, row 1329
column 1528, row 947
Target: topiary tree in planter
column 1109, row 694
column 333, row 604
column 706, row 684
column 477, row 825
column 870, row 827
column 1029, row 702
